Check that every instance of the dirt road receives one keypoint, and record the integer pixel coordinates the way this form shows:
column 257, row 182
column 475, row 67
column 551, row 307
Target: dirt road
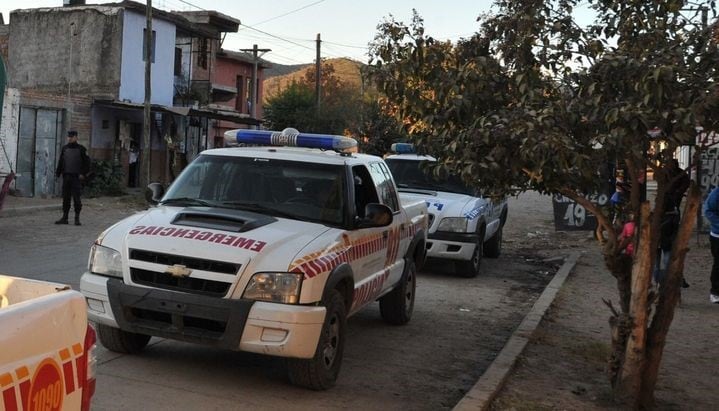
column 459, row 325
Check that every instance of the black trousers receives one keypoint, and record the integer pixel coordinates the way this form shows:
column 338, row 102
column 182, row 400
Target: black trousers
column 715, row 267
column 71, row 187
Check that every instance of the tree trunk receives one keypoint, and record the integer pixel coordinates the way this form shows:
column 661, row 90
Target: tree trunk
column 630, row 380
column 668, row 298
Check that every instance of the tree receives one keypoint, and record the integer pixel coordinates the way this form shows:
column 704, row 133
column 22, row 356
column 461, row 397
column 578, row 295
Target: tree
column 533, row 101
column 377, row 130
column 295, row 106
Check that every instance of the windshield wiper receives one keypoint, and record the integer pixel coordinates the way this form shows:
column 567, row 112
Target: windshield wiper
column 187, row 201
column 260, row 208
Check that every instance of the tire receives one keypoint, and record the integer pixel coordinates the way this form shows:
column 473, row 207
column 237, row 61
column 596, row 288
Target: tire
column 114, row 339
column 397, row 306
column 493, row 247
column 470, row 268
column 321, row 371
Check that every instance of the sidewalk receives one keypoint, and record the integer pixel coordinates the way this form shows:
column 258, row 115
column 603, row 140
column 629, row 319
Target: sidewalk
column 18, row 206
column 564, row 366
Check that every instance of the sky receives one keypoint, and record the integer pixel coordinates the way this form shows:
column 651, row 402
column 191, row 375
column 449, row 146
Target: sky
column 289, row 27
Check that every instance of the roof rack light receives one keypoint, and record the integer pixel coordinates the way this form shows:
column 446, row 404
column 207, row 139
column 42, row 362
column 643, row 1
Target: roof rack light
column 289, row 137
column 403, row 148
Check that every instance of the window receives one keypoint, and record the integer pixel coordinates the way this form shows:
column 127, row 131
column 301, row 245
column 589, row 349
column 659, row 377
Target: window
column 289, row 189
column 248, row 95
column 202, row 54
column 410, row 174
column 144, row 45
column 239, row 99
column 383, row 179
column 178, row 61
column 364, row 189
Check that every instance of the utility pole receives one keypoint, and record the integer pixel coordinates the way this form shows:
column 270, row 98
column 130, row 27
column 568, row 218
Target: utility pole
column 318, row 75
column 254, row 92
column 145, row 164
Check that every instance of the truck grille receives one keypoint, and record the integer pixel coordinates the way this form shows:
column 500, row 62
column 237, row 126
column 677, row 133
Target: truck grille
column 189, row 262
column 184, row 284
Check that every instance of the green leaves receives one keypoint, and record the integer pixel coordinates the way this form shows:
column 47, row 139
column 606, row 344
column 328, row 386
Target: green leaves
column 509, row 109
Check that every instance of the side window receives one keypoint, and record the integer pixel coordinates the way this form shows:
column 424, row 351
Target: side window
column 391, row 188
column 364, row 190
column 383, row 179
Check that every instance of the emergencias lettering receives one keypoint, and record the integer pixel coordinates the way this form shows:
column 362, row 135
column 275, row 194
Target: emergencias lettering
column 228, row 240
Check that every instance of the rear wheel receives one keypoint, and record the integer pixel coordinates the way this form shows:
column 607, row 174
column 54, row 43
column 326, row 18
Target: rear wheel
column 397, row 306
column 470, row 268
column 320, row 372
column 117, row 340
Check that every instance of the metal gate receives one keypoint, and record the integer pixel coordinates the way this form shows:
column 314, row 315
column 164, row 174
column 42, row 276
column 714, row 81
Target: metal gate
column 39, row 140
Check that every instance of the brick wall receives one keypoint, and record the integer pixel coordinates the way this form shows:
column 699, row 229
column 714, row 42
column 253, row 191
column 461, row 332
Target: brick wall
column 77, row 110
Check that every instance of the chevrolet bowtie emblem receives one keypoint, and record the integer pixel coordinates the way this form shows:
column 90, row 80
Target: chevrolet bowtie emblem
column 178, row 270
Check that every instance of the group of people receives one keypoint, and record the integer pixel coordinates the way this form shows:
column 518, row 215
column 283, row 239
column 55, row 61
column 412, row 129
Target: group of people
column 677, row 184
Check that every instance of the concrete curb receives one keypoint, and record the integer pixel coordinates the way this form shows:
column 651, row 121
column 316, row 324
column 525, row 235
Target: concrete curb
column 481, row 395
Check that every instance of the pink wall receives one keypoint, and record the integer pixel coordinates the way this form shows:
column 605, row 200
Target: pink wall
column 226, row 72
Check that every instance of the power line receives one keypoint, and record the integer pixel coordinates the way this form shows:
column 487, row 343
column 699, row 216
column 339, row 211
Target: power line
column 346, row 45
column 288, row 13
column 279, row 38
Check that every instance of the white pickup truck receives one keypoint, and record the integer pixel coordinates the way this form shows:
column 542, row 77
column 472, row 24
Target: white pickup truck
column 261, row 249
column 463, row 226
column 47, row 359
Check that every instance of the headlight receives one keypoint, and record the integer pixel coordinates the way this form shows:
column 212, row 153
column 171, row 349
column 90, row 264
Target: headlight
column 274, row 287
column 105, row 261
column 453, row 224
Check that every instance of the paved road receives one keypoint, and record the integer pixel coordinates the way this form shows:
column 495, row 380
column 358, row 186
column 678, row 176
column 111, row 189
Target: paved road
column 458, row 327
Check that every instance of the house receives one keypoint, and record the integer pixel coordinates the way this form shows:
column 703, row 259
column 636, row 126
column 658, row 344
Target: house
column 233, row 85
column 220, row 82
column 81, row 67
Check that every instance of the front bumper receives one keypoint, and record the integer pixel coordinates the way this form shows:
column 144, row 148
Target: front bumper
column 246, row 325
column 451, row 246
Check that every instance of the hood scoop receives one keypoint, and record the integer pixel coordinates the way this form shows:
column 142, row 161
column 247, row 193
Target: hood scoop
column 237, row 221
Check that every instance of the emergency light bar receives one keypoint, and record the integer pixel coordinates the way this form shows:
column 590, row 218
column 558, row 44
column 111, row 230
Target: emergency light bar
column 290, row 137
column 403, row 148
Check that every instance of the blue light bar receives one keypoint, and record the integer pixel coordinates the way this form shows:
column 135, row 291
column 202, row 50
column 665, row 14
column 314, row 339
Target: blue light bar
column 290, row 137
column 403, row 148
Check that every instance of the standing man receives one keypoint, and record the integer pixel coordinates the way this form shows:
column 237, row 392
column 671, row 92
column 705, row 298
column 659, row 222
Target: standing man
column 74, row 165
column 711, row 211
column 132, row 157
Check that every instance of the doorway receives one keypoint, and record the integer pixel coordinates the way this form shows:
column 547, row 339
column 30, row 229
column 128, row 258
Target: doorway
column 39, row 141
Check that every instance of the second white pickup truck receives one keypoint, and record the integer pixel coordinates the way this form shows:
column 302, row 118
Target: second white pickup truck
column 262, row 249
column 463, row 225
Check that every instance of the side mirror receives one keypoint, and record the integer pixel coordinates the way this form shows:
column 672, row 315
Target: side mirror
column 154, row 193
column 376, row 215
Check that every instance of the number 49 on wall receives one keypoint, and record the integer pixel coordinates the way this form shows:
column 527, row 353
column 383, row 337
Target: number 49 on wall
column 575, row 215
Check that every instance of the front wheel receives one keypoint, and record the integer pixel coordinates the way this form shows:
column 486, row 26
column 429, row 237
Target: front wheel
column 320, row 372
column 493, row 247
column 396, row 307
column 470, row 268
column 117, row 340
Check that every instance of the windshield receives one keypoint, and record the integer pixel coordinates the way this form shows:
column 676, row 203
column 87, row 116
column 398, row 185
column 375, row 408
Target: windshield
column 291, row 189
column 410, row 174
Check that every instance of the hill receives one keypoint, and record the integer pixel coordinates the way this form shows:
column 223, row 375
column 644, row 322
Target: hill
column 348, row 71
column 283, row 69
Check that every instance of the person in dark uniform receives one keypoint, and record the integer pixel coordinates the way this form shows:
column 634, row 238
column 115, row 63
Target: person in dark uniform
column 73, row 166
